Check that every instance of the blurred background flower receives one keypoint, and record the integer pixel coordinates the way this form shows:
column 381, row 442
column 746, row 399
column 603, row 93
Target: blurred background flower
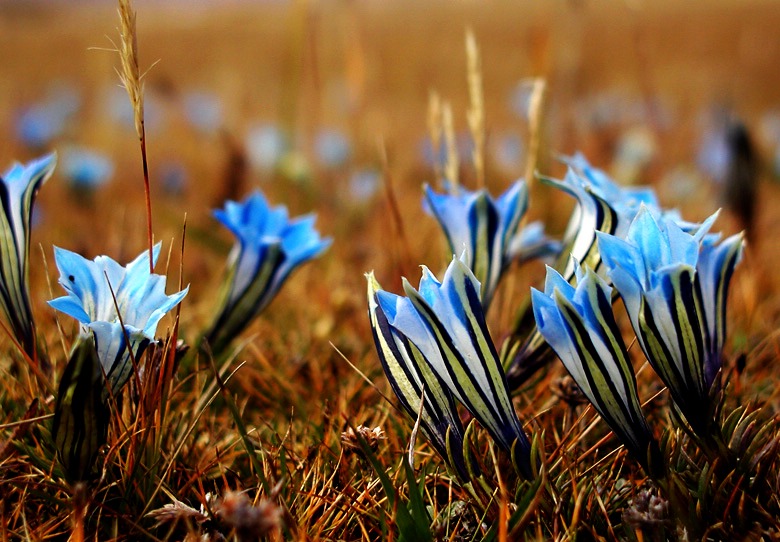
column 85, row 170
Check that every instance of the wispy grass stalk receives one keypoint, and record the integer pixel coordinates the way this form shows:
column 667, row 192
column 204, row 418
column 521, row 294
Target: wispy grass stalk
column 476, row 111
column 535, row 129
column 435, row 130
column 131, row 78
column 452, row 162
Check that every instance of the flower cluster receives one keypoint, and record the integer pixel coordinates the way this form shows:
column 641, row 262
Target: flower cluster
column 672, row 275
column 602, row 206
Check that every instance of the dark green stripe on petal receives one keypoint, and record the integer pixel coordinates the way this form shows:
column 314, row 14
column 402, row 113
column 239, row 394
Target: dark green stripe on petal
column 18, row 188
column 80, row 420
column 408, row 372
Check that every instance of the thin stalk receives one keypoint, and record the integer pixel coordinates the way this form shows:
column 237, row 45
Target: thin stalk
column 148, row 197
column 130, row 76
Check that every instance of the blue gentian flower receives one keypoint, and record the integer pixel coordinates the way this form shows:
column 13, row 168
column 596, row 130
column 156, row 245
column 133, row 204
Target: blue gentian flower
column 97, row 289
column 578, row 323
column 268, row 247
column 488, row 230
column 445, row 323
column 18, row 188
column 602, row 205
column 674, row 286
column 410, row 376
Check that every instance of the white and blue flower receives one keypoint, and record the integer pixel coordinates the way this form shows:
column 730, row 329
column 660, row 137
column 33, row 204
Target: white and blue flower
column 410, row 376
column 119, row 306
column 18, row 188
column 489, row 231
column 269, row 246
column 578, row 323
column 445, row 323
column 674, row 286
column 602, row 206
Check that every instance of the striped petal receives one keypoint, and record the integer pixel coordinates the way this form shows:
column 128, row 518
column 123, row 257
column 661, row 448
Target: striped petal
column 671, row 333
column 18, row 189
column 715, row 269
column 579, row 325
column 445, row 321
column 409, row 374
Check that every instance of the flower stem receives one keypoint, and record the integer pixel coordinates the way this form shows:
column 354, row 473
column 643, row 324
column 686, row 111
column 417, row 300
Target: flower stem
column 148, row 197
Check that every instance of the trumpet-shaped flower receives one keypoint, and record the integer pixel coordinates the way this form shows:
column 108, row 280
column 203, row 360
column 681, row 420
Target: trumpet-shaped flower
column 268, row 247
column 445, row 322
column 410, row 376
column 578, row 323
column 674, row 285
column 602, row 206
column 489, row 231
column 17, row 191
column 120, row 306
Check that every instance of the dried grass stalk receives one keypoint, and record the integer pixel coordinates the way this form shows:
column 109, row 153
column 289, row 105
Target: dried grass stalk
column 476, row 111
column 535, row 124
column 435, row 129
column 130, row 74
column 131, row 78
column 452, row 161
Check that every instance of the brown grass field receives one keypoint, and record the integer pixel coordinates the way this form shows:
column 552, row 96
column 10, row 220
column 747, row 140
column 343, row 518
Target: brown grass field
column 366, row 68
